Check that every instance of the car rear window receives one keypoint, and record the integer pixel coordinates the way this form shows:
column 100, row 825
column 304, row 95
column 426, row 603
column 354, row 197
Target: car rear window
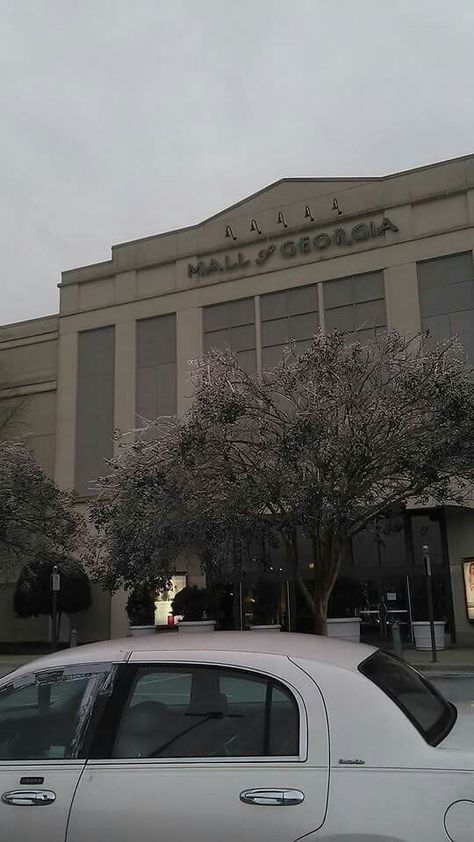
column 422, row 703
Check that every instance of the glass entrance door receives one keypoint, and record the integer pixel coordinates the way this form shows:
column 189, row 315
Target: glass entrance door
column 387, row 602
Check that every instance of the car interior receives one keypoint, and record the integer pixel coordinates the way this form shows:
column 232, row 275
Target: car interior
column 209, row 724
column 40, row 722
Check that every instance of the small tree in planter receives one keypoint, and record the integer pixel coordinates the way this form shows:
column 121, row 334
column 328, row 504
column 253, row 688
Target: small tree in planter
column 33, row 594
column 267, row 598
column 141, row 609
column 193, row 604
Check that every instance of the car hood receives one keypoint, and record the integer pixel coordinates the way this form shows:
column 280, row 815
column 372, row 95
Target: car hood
column 461, row 735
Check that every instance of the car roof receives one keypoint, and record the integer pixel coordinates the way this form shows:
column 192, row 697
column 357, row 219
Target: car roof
column 312, row 647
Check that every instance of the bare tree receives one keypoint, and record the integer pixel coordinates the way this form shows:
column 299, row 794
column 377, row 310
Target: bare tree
column 323, row 444
column 34, row 513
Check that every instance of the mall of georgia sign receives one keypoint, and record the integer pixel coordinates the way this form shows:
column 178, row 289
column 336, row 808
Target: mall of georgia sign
column 293, row 248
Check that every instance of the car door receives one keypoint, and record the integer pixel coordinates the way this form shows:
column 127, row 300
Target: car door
column 206, row 746
column 44, row 718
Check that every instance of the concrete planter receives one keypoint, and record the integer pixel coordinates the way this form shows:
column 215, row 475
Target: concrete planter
column 266, row 628
column 201, row 626
column 345, row 628
column 142, row 631
column 422, row 633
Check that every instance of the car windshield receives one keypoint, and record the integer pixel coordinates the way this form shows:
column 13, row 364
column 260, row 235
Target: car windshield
column 422, row 703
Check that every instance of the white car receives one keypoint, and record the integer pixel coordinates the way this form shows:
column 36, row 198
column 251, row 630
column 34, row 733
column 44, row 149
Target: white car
column 234, row 737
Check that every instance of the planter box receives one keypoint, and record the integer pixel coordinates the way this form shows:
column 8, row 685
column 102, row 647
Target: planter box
column 345, row 628
column 422, row 633
column 269, row 628
column 202, row 626
column 141, row 631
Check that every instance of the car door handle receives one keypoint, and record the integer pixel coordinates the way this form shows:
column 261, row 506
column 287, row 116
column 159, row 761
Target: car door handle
column 272, row 797
column 29, row 797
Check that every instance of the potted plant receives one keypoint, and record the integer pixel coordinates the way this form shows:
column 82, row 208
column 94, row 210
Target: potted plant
column 192, row 605
column 141, row 610
column 267, row 596
column 345, row 602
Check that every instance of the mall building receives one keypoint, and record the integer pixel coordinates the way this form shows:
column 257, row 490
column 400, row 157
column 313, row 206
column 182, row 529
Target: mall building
column 356, row 254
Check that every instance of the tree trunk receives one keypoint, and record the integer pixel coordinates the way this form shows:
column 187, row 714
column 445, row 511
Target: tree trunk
column 327, row 555
column 320, row 613
column 291, row 547
column 327, row 561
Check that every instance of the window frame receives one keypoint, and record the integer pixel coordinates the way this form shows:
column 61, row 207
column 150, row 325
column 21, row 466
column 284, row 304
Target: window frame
column 107, row 728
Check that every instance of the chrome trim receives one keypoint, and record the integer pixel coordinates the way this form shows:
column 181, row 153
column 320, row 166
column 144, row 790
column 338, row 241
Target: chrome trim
column 292, row 797
column 29, row 797
column 272, row 797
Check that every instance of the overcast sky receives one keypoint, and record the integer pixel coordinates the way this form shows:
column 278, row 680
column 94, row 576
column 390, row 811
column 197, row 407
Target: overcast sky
column 124, row 118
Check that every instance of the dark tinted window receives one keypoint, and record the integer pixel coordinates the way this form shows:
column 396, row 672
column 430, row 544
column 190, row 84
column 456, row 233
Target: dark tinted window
column 45, row 716
column 417, row 698
column 206, row 712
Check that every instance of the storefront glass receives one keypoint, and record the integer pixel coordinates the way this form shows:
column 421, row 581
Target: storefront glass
column 381, row 581
column 163, row 616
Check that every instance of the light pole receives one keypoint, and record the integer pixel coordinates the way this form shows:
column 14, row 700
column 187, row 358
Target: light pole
column 55, row 588
column 429, row 593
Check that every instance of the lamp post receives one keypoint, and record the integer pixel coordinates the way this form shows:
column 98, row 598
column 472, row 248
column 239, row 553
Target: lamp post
column 55, row 588
column 429, row 593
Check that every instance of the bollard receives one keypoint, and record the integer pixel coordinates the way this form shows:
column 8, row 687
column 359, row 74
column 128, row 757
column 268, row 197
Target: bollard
column 396, row 639
column 73, row 638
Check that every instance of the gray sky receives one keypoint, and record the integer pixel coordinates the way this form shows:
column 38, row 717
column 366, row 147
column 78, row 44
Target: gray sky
column 124, row 118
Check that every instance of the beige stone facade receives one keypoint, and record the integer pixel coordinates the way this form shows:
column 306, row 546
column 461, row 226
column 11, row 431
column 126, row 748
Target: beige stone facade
column 120, row 347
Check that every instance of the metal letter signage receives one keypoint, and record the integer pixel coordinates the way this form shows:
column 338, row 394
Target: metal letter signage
column 291, row 248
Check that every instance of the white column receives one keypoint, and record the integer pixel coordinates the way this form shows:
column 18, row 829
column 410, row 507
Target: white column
column 118, row 616
column 66, row 400
column 189, row 345
column 401, row 298
column 258, row 334
column 322, row 315
column 124, row 420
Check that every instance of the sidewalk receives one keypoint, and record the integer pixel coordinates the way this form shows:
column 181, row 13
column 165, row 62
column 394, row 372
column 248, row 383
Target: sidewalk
column 455, row 658
column 18, row 660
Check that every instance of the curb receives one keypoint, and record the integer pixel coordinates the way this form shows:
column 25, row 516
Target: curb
column 443, row 668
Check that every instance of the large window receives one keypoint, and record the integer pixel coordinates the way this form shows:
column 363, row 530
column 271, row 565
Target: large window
column 198, row 711
column 286, row 315
column 355, row 304
column 156, row 368
column 95, row 406
column 446, row 288
column 44, row 716
column 232, row 325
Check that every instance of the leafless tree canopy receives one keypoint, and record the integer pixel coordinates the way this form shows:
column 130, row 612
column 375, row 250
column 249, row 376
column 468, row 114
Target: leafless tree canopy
column 33, row 512
column 324, row 443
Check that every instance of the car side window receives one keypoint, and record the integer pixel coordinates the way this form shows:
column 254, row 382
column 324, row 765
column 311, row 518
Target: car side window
column 206, row 712
column 43, row 716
